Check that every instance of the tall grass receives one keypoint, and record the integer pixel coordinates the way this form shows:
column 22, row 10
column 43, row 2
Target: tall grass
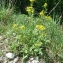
column 32, row 36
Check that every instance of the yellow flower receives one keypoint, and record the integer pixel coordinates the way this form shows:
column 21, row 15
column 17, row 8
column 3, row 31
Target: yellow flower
column 41, row 43
column 40, row 27
column 41, row 13
column 22, row 27
column 45, row 5
column 32, row 0
column 30, row 9
column 36, row 44
column 37, row 26
column 48, row 17
column 44, row 34
column 15, row 25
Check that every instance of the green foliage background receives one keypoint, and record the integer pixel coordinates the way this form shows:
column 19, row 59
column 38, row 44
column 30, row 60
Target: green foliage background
column 21, row 4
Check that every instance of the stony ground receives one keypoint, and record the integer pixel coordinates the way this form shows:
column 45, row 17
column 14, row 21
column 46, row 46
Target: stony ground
column 4, row 50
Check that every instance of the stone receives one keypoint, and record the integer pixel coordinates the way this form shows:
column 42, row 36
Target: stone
column 10, row 55
column 35, row 61
column 16, row 60
column 32, row 60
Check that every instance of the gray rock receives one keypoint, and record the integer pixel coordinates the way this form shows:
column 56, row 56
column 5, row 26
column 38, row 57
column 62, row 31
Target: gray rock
column 10, row 55
column 35, row 61
column 3, row 59
column 16, row 60
column 32, row 60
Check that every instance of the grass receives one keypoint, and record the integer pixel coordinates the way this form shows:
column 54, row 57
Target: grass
column 23, row 40
column 32, row 36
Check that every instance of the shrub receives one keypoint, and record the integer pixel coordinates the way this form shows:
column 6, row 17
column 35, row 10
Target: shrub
column 5, row 16
column 36, row 36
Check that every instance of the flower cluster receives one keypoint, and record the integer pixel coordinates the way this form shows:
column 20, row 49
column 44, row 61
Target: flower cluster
column 42, row 13
column 30, row 9
column 45, row 5
column 15, row 25
column 40, row 27
column 48, row 17
column 22, row 27
column 38, row 44
column 32, row 1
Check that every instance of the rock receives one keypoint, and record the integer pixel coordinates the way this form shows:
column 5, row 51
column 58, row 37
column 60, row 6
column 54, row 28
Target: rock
column 16, row 60
column 10, row 55
column 3, row 59
column 35, row 61
column 32, row 60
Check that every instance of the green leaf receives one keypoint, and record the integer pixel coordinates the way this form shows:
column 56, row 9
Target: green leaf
column 36, row 50
column 40, row 51
column 26, row 51
column 24, row 57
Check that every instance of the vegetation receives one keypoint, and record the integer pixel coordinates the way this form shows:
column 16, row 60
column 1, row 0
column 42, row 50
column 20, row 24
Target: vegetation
column 30, row 35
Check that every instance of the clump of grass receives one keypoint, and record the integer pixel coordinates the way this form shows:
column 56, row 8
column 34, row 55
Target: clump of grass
column 35, row 36
column 5, row 15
